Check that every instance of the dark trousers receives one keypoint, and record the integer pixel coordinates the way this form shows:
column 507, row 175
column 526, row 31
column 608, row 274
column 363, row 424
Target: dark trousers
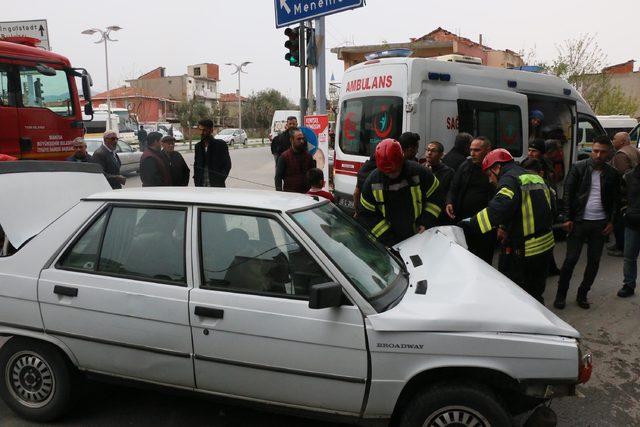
column 618, row 231
column 530, row 273
column 482, row 245
column 589, row 232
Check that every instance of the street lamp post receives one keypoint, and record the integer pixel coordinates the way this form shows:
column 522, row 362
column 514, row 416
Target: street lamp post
column 239, row 71
column 104, row 38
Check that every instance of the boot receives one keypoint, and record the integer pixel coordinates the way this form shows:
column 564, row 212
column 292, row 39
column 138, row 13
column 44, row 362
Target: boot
column 560, row 300
column 581, row 299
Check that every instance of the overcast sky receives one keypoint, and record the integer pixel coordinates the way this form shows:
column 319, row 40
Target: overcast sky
column 176, row 34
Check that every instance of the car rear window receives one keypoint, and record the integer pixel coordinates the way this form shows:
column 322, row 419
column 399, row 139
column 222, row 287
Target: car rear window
column 366, row 121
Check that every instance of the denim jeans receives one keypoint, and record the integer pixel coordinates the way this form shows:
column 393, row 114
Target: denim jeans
column 589, row 232
column 631, row 251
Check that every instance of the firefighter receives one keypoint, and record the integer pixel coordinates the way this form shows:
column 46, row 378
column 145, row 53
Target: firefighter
column 400, row 198
column 524, row 206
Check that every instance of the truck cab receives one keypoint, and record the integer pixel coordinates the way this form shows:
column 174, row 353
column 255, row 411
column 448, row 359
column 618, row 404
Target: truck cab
column 382, row 98
column 39, row 108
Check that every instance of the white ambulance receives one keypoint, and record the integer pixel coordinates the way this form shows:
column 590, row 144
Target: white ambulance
column 382, row 98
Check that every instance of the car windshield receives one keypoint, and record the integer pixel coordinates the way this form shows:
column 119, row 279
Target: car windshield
column 369, row 266
column 227, row 132
column 93, row 144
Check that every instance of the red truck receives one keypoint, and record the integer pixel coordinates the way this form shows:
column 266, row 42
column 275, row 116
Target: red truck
column 39, row 107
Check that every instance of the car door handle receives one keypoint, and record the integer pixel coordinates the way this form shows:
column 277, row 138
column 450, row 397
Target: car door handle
column 65, row 290
column 214, row 313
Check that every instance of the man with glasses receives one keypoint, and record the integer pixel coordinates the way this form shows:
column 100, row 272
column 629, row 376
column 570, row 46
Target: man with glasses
column 79, row 151
column 212, row 162
column 108, row 159
column 469, row 193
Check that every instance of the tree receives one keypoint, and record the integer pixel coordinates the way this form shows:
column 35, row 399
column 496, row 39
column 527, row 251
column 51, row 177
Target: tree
column 259, row 107
column 190, row 113
column 614, row 101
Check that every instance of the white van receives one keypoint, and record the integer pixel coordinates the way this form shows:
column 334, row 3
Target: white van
column 617, row 123
column 382, row 98
column 279, row 120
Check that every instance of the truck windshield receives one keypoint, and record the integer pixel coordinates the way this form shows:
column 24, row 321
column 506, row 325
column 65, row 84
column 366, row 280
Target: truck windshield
column 44, row 91
column 367, row 264
column 366, row 121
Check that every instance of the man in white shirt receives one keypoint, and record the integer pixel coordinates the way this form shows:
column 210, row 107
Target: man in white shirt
column 591, row 198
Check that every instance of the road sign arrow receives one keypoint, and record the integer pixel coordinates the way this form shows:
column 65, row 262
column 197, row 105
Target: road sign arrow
column 41, row 29
column 285, row 6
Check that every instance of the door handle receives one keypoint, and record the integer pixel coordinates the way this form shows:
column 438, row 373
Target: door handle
column 65, row 290
column 214, row 313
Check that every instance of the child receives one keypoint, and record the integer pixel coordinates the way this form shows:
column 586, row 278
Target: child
column 315, row 178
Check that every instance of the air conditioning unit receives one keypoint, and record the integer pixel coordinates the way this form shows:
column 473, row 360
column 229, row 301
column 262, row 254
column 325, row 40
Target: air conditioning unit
column 460, row 58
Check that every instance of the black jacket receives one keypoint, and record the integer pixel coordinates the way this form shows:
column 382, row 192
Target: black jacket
column 178, row 169
column 524, row 204
column 631, row 198
column 445, row 175
column 393, row 209
column 577, row 187
column 216, row 158
column 454, row 158
column 154, row 169
column 459, row 186
column 281, row 143
column 110, row 164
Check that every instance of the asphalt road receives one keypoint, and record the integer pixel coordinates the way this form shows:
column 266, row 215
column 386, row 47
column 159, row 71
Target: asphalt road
column 609, row 329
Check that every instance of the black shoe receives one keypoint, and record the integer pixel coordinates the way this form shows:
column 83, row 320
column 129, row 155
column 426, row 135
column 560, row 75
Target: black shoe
column 625, row 292
column 612, row 247
column 559, row 303
column 583, row 302
column 554, row 272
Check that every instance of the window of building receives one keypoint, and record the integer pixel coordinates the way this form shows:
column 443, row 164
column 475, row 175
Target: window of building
column 140, row 243
column 196, row 71
column 42, row 91
column 501, row 123
column 258, row 256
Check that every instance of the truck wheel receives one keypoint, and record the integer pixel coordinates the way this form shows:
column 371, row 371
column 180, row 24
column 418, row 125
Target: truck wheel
column 455, row 405
column 35, row 379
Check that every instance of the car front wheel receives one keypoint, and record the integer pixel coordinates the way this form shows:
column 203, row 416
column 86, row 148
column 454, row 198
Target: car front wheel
column 35, row 379
column 456, row 405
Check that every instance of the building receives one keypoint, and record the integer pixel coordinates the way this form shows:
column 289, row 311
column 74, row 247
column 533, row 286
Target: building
column 200, row 82
column 624, row 76
column 437, row 43
column 147, row 106
column 228, row 110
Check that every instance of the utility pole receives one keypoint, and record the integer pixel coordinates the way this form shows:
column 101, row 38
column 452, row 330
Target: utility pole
column 303, row 71
column 321, row 78
column 239, row 70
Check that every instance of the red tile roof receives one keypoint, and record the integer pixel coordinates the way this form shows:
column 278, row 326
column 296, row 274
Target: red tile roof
column 230, row 97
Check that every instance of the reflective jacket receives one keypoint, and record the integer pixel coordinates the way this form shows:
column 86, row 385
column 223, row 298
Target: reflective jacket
column 393, row 209
column 524, row 205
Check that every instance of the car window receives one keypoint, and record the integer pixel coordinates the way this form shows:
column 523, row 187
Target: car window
column 258, row 256
column 124, row 147
column 501, row 123
column 84, row 253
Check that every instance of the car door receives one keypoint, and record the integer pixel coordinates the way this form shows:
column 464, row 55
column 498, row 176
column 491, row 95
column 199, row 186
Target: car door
column 254, row 335
column 117, row 296
column 127, row 158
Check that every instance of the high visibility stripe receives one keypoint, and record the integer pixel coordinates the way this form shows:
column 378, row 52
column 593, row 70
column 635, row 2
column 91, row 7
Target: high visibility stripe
column 527, row 214
column 416, row 198
column 365, row 204
column 539, row 245
column 483, row 221
column 433, row 187
column 380, row 228
column 433, row 209
column 530, row 178
column 547, row 194
column 506, row 192
column 379, row 196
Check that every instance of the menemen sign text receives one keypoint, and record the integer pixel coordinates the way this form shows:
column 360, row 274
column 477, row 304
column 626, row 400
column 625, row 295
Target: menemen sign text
column 292, row 11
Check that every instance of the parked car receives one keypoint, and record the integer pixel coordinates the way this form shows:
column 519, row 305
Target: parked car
column 233, row 136
column 129, row 156
column 299, row 308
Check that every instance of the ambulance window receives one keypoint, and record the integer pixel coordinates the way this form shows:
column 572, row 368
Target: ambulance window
column 366, row 121
column 501, row 123
column 45, row 91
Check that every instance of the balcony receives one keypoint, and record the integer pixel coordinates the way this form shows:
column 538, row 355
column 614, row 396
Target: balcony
column 206, row 94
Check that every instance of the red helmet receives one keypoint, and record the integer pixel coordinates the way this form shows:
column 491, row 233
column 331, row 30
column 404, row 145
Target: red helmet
column 499, row 155
column 389, row 155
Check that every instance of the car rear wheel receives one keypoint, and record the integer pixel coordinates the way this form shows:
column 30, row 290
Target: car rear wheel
column 455, row 405
column 36, row 380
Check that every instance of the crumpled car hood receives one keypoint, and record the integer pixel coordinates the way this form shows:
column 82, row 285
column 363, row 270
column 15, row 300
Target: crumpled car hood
column 463, row 293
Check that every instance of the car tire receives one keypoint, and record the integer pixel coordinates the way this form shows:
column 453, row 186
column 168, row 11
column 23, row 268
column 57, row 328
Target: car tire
column 231, row 142
column 455, row 405
column 36, row 379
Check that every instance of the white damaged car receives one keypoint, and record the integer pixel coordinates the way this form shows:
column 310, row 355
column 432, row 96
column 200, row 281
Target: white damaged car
column 272, row 299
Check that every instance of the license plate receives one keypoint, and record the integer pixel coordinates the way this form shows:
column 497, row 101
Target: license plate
column 347, row 203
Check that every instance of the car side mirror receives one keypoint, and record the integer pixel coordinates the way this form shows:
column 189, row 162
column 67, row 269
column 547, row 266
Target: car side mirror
column 325, row 295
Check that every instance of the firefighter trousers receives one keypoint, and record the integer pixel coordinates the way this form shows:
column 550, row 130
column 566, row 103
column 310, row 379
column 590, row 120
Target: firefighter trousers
column 530, row 273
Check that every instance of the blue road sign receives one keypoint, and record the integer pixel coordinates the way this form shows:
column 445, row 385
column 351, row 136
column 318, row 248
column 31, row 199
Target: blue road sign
column 292, row 11
column 312, row 139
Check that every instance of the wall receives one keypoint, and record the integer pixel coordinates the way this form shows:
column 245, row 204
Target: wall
column 630, row 85
column 173, row 87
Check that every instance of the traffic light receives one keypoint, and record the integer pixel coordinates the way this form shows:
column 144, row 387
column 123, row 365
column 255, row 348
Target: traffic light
column 293, row 44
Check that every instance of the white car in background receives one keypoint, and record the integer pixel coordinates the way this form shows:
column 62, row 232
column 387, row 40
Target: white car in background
column 232, row 136
column 299, row 308
column 129, row 156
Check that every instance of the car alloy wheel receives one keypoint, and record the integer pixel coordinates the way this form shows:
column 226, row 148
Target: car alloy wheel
column 30, row 379
column 456, row 416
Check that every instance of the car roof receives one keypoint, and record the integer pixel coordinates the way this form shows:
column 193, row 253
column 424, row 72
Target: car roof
column 277, row 201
